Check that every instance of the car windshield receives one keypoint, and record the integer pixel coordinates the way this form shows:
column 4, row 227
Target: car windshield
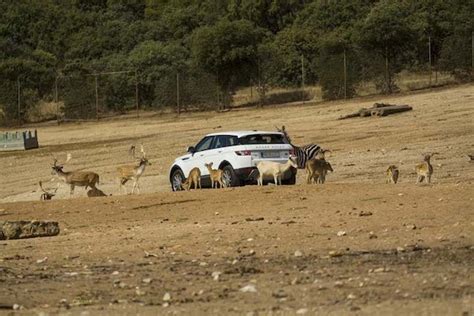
column 262, row 139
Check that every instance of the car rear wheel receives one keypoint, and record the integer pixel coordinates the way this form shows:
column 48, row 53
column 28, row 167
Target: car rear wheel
column 229, row 177
column 176, row 179
column 291, row 180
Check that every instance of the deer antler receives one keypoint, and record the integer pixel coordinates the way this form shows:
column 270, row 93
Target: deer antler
column 68, row 157
column 131, row 151
column 142, row 151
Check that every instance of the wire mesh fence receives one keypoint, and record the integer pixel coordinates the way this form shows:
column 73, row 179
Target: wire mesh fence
column 334, row 73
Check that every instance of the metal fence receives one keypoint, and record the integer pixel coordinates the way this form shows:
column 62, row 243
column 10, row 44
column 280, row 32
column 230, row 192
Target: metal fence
column 334, row 74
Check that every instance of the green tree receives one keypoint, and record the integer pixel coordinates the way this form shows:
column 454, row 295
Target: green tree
column 228, row 50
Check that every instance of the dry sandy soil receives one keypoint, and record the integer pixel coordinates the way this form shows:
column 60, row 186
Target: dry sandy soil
column 354, row 245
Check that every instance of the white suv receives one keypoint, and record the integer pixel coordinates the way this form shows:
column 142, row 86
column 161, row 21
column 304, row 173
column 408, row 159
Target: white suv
column 236, row 153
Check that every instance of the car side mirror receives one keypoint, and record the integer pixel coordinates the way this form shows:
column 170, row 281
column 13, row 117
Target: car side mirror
column 191, row 150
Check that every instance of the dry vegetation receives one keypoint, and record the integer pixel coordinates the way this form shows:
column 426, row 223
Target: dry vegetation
column 401, row 248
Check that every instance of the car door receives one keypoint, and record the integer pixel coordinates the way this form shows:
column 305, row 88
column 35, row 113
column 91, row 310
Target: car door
column 217, row 152
column 196, row 159
column 203, row 151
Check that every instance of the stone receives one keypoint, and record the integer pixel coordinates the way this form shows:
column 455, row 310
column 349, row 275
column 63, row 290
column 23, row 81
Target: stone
column 302, row 311
column 167, row 297
column 248, row 289
column 341, row 233
column 298, row 253
column 27, row 229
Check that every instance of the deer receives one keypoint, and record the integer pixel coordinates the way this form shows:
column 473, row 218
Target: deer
column 133, row 172
column 317, row 170
column 392, row 174
column 424, row 170
column 215, row 175
column 74, row 178
column 193, row 178
column 47, row 194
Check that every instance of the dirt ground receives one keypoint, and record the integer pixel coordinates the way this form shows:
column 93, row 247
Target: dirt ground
column 354, row 245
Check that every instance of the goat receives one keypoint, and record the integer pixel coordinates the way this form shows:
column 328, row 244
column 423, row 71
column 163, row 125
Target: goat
column 317, row 170
column 133, row 172
column 275, row 169
column 75, row 178
column 193, row 178
column 47, row 195
column 215, row 175
column 392, row 174
column 424, row 170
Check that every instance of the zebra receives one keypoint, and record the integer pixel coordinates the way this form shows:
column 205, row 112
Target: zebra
column 303, row 153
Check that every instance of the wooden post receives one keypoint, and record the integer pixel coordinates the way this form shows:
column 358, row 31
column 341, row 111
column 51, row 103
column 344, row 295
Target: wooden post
column 177, row 94
column 345, row 74
column 96, row 96
column 389, row 89
column 429, row 56
column 136, row 94
column 302, row 77
column 19, row 100
column 56, row 98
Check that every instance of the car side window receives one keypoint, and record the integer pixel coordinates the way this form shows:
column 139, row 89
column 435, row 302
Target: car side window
column 221, row 141
column 204, row 144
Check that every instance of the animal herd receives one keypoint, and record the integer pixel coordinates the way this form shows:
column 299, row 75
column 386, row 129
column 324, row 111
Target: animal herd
column 310, row 157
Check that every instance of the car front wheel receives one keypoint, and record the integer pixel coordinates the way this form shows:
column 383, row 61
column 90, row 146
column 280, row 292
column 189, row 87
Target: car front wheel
column 176, row 179
column 229, row 177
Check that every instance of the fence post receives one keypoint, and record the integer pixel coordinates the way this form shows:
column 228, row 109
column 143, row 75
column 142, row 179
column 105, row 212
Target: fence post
column 429, row 56
column 302, row 77
column 96, row 96
column 177, row 94
column 19, row 100
column 56, row 98
column 345, row 74
column 136, row 94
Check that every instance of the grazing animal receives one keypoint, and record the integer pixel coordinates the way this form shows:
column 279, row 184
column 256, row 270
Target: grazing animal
column 133, row 172
column 317, row 170
column 75, row 178
column 275, row 169
column 215, row 175
column 392, row 174
column 95, row 193
column 303, row 153
column 47, row 195
column 424, row 170
column 193, row 178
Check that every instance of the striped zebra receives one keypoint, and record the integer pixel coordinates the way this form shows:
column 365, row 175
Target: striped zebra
column 303, row 153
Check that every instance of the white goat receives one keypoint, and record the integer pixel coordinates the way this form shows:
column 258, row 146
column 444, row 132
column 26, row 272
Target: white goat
column 275, row 169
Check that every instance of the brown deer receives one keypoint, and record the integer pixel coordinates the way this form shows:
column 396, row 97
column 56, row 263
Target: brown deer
column 392, row 174
column 215, row 175
column 317, row 170
column 424, row 170
column 47, row 194
column 75, row 178
column 133, row 172
column 193, row 178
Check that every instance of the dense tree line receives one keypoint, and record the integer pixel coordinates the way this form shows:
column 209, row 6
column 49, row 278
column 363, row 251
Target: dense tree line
column 234, row 42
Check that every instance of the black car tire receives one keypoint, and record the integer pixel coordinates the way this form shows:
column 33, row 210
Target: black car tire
column 292, row 179
column 176, row 179
column 228, row 172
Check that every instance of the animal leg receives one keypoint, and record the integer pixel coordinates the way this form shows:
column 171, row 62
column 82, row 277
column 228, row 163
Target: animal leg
column 72, row 190
column 428, row 178
column 199, row 182
column 275, row 179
